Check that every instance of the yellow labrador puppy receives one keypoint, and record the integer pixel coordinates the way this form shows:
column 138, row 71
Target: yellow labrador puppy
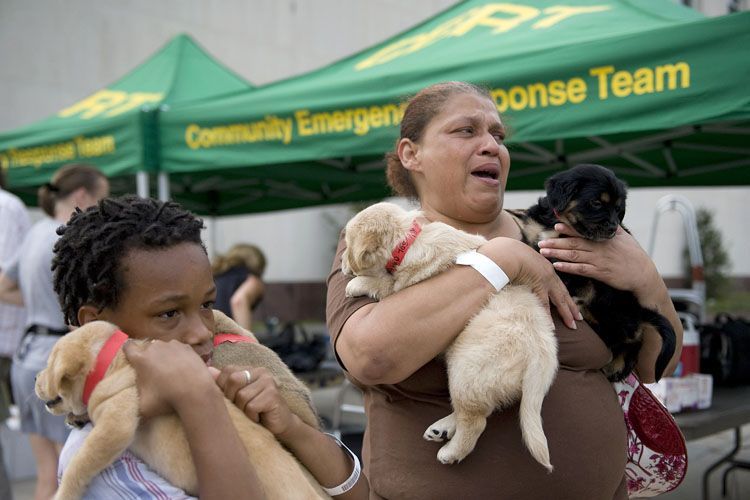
column 506, row 352
column 160, row 441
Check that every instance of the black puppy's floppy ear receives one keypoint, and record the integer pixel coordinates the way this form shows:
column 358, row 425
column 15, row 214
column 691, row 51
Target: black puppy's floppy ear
column 622, row 189
column 561, row 189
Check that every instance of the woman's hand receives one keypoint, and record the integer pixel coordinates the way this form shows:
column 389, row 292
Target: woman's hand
column 259, row 398
column 619, row 262
column 525, row 266
column 168, row 374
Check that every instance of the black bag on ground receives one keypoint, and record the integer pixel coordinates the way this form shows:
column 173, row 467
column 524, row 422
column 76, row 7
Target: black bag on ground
column 301, row 351
column 725, row 350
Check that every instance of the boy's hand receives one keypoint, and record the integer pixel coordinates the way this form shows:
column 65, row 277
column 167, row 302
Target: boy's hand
column 259, row 398
column 169, row 375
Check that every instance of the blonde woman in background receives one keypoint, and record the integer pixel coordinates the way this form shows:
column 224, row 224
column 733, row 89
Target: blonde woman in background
column 239, row 282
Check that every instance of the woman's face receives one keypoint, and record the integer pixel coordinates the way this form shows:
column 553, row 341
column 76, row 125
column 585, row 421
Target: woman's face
column 168, row 294
column 461, row 165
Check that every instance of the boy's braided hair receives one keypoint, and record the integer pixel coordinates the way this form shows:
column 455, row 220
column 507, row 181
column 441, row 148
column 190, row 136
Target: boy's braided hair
column 92, row 244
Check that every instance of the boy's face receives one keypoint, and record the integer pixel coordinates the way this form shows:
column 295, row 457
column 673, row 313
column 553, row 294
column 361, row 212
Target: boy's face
column 167, row 294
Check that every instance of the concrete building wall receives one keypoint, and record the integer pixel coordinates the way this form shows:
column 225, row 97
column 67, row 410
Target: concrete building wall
column 54, row 52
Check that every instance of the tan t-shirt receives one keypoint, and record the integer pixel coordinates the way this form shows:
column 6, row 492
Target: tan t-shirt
column 583, row 423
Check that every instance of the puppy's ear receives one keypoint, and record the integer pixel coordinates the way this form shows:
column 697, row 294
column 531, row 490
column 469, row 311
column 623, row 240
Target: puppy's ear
column 367, row 252
column 622, row 190
column 561, row 189
column 66, row 370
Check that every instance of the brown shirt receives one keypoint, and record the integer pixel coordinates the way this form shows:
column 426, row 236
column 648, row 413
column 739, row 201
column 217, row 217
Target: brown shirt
column 582, row 418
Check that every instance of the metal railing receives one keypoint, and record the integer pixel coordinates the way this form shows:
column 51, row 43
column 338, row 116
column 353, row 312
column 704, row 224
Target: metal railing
column 696, row 294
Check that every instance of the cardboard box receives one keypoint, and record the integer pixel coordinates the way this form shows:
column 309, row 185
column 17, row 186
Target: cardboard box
column 692, row 392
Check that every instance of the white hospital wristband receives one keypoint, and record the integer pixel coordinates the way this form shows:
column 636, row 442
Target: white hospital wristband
column 352, row 479
column 485, row 266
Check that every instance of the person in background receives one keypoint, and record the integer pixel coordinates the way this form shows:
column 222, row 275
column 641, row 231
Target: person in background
column 452, row 158
column 14, row 221
column 239, row 282
column 28, row 281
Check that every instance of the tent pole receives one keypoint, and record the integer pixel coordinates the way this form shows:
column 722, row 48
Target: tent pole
column 141, row 182
column 163, row 182
column 213, row 235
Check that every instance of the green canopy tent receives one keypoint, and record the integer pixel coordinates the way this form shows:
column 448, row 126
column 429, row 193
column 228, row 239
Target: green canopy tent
column 116, row 127
column 650, row 88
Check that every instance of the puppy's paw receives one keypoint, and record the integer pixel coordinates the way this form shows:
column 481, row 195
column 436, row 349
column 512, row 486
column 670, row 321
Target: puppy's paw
column 357, row 287
column 441, row 430
column 76, row 421
column 449, row 454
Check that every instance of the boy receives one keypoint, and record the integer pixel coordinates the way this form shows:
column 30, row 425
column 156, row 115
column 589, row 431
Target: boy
column 141, row 264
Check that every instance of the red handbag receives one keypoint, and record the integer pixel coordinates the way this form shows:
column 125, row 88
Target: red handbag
column 657, row 454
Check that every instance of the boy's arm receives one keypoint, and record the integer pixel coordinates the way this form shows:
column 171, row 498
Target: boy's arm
column 261, row 401
column 221, row 461
column 329, row 463
column 185, row 386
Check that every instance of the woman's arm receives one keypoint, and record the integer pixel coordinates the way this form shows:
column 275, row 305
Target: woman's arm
column 261, row 401
column 243, row 300
column 622, row 264
column 172, row 377
column 387, row 341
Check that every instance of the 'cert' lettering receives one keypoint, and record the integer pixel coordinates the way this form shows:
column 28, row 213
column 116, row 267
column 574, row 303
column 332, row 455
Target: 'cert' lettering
column 109, row 103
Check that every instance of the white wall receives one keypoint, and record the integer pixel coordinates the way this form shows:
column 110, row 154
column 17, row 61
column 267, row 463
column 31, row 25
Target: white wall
column 54, row 52
column 300, row 243
column 725, row 203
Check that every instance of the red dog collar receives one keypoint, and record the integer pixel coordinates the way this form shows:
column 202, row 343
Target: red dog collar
column 399, row 252
column 220, row 338
column 103, row 360
column 113, row 344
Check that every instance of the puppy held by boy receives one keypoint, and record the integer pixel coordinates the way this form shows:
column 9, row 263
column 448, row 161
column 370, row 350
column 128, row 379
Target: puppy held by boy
column 138, row 266
column 591, row 200
column 112, row 406
column 506, row 352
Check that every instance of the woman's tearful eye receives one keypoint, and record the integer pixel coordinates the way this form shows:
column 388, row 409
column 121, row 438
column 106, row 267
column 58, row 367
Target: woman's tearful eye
column 208, row 305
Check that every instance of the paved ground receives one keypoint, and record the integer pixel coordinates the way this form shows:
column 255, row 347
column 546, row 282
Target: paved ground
column 701, row 453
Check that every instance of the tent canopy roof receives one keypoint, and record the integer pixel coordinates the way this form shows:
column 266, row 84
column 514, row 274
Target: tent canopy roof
column 650, row 88
column 115, row 128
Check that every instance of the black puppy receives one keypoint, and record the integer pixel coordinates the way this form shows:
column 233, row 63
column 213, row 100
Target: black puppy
column 591, row 200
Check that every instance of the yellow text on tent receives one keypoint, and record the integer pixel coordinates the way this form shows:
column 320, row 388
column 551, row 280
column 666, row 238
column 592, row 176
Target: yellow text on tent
column 608, row 80
column 270, row 128
column 109, row 103
column 512, row 16
column 357, row 120
column 641, row 81
column 78, row 148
